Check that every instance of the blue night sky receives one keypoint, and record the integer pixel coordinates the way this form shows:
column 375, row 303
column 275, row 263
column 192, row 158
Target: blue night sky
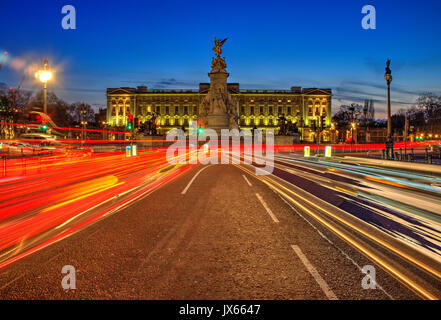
column 272, row 45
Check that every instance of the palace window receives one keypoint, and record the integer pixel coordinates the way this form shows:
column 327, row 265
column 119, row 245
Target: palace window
column 167, row 110
column 271, row 110
column 289, row 110
column 280, row 110
column 176, row 110
column 242, row 110
column 252, row 110
column 185, row 110
column 261, row 110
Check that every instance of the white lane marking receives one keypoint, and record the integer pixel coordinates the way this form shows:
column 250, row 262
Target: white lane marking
column 267, row 208
column 327, row 239
column 191, row 181
column 332, row 243
column 246, row 179
column 313, row 271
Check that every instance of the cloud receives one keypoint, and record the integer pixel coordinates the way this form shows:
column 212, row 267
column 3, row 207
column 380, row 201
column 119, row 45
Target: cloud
column 167, row 83
column 358, row 91
column 17, row 64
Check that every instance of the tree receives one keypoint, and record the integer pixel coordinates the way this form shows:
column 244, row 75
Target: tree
column 424, row 116
column 57, row 108
column 430, row 104
column 398, row 120
column 348, row 114
column 15, row 98
column 416, row 117
column 80, row 111
column 12, row 104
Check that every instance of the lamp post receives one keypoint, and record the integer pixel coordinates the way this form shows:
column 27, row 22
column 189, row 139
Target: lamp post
column 83, row 113
column 104, row 123
column 44, row 76
column 389, row 141
column 354, row 133
column 84, row 124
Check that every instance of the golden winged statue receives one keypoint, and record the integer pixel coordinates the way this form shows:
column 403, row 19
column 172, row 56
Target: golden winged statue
column 218, row 46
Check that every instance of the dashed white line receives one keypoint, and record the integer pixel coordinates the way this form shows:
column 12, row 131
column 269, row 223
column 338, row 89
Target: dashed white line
column 332, row 243
column 191, row 181
column 246, row 179
column 267, row 208
column 313, row 271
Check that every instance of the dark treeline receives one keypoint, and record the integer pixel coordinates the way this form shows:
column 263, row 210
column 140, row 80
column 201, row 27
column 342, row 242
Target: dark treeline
column 424, row 115
column 16, row 104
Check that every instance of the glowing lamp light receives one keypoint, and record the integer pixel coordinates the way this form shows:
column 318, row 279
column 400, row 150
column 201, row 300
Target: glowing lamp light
column 44, row 76
column 328, row 151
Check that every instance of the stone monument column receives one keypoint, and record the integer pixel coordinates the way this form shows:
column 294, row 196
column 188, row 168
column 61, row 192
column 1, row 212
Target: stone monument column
column 218, row 109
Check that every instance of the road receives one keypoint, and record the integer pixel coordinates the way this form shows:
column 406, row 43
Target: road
column 221, row 232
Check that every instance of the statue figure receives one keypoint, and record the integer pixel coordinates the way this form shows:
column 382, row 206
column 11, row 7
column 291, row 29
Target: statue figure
column 388, row 74
column 218, row 64
column 218, row 108
column 282, row 125
column 218, row 46
column 388, row 71
column 153, row 124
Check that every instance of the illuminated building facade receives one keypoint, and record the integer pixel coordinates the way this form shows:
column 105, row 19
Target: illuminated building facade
column 260, row 108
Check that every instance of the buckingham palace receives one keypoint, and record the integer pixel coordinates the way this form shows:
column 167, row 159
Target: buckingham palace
column 255, row 108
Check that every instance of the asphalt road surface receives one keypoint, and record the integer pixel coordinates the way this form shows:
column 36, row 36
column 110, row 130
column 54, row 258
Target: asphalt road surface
column 221, row 232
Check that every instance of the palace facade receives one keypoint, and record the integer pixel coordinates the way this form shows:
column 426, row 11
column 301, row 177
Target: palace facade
column 261, row 108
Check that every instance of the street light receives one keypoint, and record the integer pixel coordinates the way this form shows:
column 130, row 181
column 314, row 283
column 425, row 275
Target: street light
column 84, row 124
column 354, row 129
column 389, row 141
column 44, row 76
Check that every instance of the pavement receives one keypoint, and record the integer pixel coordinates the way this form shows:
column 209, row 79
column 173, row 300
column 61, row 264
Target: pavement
column 213, row 232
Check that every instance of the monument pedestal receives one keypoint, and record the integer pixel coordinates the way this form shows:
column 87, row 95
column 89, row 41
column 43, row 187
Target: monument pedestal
column 218, row 109
column 218, row 122
column 287, row 140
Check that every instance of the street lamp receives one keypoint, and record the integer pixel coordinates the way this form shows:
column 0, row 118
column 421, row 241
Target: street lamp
column 44, row 76
column 389, row 141
column 104, row 123
column 84, row 124
column 354, row 133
